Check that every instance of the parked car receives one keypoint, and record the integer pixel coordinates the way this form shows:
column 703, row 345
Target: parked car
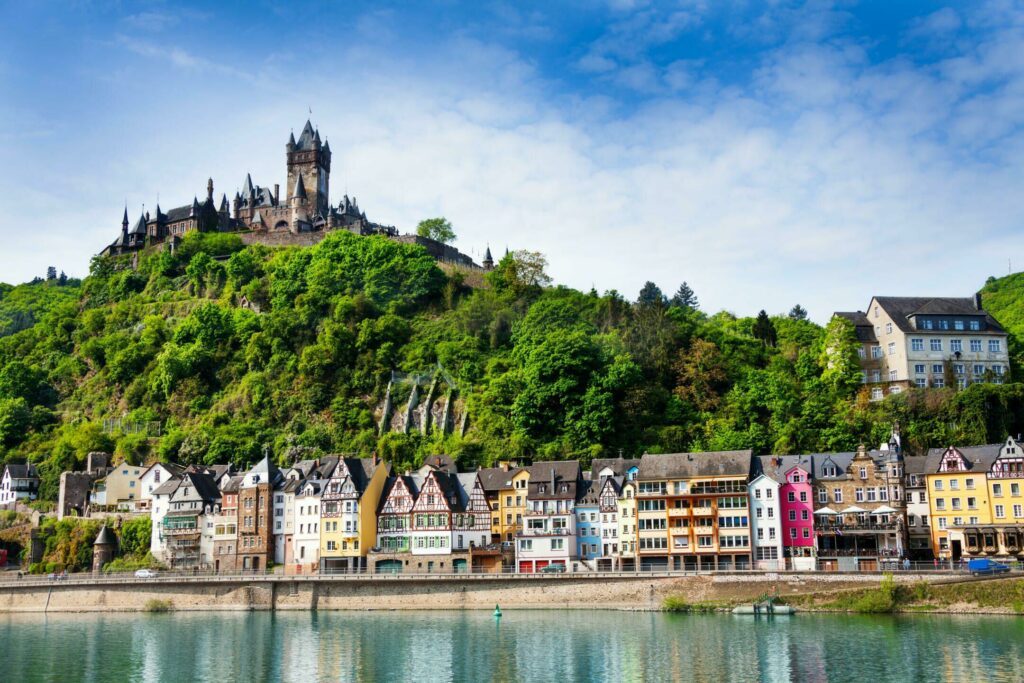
column 145, row 574
column 981, row 566
column 553, row 569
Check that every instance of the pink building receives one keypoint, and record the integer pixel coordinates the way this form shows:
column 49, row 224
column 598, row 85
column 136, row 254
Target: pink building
column 796, row 502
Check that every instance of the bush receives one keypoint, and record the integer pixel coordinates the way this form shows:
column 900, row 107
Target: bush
column 156, row 605
column 879, row 601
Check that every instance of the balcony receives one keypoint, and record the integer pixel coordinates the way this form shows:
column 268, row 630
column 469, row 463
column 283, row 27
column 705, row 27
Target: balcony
column 707, row 511
column 855, row 527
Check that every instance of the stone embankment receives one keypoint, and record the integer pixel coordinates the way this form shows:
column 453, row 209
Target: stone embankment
column 411, row 592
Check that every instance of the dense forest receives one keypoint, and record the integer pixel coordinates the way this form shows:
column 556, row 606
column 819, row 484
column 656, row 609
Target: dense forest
column 227, row 348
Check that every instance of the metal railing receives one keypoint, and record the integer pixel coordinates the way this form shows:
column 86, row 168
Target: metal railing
column 184, row 576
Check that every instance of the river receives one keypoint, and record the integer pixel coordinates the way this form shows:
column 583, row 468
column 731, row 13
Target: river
column 522, row 645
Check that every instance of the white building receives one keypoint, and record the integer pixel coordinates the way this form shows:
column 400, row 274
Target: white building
column 306, row 535
column 549, row 525
column 20, row 482
column 765, row 517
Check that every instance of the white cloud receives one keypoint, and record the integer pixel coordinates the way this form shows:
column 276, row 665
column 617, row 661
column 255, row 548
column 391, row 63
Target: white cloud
column 824, row 180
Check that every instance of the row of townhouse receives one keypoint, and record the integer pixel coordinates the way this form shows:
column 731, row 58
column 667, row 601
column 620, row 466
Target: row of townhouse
column 967, row 502
column 680, row 511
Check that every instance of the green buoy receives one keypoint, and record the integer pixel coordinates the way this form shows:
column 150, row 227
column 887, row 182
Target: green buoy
column 497, row 612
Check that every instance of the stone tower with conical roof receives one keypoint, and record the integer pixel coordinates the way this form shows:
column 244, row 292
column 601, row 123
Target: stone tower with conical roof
column 103, row 549
column 310, row 159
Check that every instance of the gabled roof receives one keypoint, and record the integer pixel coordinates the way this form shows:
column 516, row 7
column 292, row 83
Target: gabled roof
column 688, row 465
column 551, row 475
column 619, row 466
column 173, row 468
column 441, row 462
column 168, row 487
column 494, row 479
column 412, row 484
column 140, row 226
column 204, row 485
column 775, row 467
column 863, row 328
column 232, row 484
column 589, row 493
column 22, row 470
column 979, row 458
column 901, row 308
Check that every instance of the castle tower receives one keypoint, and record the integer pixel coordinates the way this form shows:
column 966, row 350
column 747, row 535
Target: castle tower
column 488, row 261
column 103, row 549
column 299, row 202
column 311, row 160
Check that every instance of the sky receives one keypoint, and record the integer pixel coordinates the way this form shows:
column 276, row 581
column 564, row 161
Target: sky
column 767, row 153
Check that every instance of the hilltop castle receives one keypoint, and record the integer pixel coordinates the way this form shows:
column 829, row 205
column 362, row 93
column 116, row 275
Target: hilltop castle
column 259, row 214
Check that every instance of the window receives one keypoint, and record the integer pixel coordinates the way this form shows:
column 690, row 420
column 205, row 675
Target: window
column 920, row 383
column 859, row 495
column 792, row 515
column 837, row 495
column 791, row 497
column 804, row 515
column 771, row 534
column 892, row 375
column 954, row 484
column 958, row 324
column 956, row 345
column 861, row 353
column 1017, row 512
column 938, row 382
column 1014, row 489
column 994, row 346
column 917, row 344
column 892, row 348
column 938, row 485
column 935, row 344
column 803, row 496
column 940, row 503
column 956, row 503
column 975, row 345
column 557, row 543
column 876, row 393
column 863, row 473
column 888, row 328
column 958, row 368
column 958, row 521
column 1000, row 511
column 972, row 503
column 996, row 369
column 792, row 533
column 997, row 490
column 822, row 496
column 876, row 351
column 919, row 368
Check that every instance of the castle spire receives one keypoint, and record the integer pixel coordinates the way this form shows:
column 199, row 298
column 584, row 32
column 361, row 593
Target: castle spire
column 124, row 221
column 488, row 261
column 300, row 189
column 209, row 190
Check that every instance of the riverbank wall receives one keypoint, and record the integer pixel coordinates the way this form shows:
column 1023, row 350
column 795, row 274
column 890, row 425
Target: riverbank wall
column 618, row 591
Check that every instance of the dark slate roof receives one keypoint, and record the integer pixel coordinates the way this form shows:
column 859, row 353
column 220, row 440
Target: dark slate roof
column 688, row 465
column 205, row 486
column 775, row 466
column 915, row 464
column 589, row 493
column 105, row 537
column 178, row 213
column 862, row 326
column 901, row 308
column 306, row 138
column 495, row 478
column 232, row 484
column 979, row 458
column 22, row 471
column 168, row 487
column 441, row 462
column 300, row 188
column 411, row 484
column 559, row 471
column 140, row 226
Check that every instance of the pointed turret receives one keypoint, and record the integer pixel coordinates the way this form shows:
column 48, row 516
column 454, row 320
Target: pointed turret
column 300, row 189
column 488, row 261
column 247, row 188
column 291, row 142
column 209, row 190
column 194, row 211
column 308, row 137
column 223, row 203
column 124, row 221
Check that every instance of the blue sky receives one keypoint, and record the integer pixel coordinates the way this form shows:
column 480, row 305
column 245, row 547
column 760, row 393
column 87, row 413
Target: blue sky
column 768, row 153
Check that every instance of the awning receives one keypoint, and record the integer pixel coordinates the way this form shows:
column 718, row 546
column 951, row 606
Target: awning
column 826, row 511
column 853, row 510
column 884, row 510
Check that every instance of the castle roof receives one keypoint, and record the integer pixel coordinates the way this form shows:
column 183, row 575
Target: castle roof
column 308, row 137
column 105, row 537
column 300, row 188
column 140, row 226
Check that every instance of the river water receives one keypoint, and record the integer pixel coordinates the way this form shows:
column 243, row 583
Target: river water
column 523, row 645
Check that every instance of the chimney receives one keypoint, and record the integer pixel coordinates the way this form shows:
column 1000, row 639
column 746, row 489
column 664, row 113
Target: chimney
column 277, row 193
column 552, row 480
column 977, row 301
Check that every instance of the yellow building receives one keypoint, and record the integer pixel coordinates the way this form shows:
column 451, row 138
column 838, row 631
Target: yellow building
column 958, row 495
column 505, row 488
column 121, row 489
column 626, row 516
column 348, row 513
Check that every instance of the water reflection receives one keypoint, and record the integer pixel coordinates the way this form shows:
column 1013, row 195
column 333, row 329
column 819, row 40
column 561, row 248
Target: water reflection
column 524, row 645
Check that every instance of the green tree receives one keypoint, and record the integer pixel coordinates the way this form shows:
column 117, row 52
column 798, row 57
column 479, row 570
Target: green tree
column 764, row 329
column 798, row 312
column 438, row 229
column 650, row 294
column 684, row 298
